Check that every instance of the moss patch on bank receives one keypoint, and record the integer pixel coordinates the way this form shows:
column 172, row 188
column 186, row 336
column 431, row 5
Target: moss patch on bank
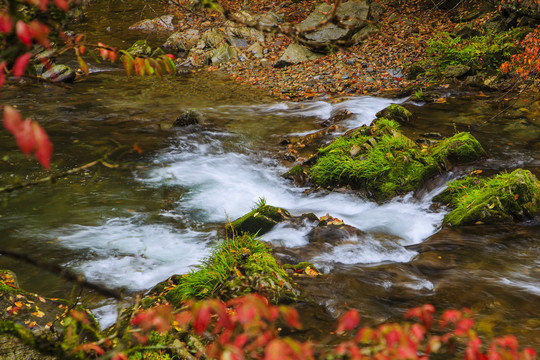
column 382, row 161
column 503, row 199
column 237, row 266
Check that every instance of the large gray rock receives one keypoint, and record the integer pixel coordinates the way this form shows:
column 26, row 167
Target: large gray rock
column 352, row 14
column 162, row 23
column 223, row 54
column 213, row 38
column 295, row 54
column 182, row 41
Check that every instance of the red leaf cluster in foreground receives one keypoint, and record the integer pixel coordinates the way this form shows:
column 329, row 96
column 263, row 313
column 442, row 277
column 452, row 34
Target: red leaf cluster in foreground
column 29, row 135
column 248, row 327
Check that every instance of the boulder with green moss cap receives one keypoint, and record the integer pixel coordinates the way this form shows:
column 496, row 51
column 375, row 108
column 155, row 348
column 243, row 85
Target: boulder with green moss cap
column 505, row 198
column 381, row 162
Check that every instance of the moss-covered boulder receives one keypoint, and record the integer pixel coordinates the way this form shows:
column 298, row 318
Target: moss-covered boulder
column 460, row 148
column 397, row 113
column 505, row 198
column 237, row 266
column 383, row 162
column 258, row 221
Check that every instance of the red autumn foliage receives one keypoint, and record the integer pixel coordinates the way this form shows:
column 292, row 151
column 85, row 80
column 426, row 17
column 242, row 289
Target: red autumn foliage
column 246, row 328
column 29, row 135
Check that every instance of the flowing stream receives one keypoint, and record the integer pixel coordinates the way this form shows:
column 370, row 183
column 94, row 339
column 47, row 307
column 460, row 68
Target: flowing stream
column 133, row 228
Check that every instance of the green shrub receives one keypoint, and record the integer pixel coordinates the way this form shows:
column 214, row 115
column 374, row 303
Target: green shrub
column 484, row 53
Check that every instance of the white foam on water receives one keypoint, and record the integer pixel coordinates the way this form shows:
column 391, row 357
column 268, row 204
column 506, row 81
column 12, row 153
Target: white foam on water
column 364, row 250
column 124, row 254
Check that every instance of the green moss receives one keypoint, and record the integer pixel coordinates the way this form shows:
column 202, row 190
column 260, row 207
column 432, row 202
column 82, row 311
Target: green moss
column 397, row 113
column 300, row 266
column 460, row 148
column 502, row 199
column 383, row 162
column 258, row 221
column 378, row 159
column 484, row 53
column 237, row 266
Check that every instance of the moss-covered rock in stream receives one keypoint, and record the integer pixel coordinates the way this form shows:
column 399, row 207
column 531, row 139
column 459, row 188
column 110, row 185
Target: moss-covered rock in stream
column 237, row 266
column 397, row 113
column 258, row 221
column 383, row 162
column 504, row 198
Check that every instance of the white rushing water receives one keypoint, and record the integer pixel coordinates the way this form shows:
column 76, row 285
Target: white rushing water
column 223, row 180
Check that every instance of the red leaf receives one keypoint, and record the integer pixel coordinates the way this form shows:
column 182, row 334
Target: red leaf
column 62, row 4
column 2, row 73
column 20, row 64
column 40, row 32
column 43, row 146
column 113, row 55
column 348, row 321
column 104, row 53
column 6, row 23
column 25, row 137
column 23, row 33
column 202, row 319
column 89, row 347
column 291, row 316
column 43, row 4
column 119, row 356
column 12, row 119
column 450, row 316
column 276, row 350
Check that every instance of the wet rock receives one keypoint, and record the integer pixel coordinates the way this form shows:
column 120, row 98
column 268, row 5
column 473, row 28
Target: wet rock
column 333, row 233
column 223, row 54
column 162, row 23
column 364, row 33
column 504, row 198
column 414, row 71
column 458, row 149
column 247, row 33
column 270, row 19
column 259, row 220
column 198, row 57
column 213, row 38
column 397, row 113
column 466, row 31
column 256, row 49
column 353, row 14
column 456, row 71
column 60, row 73
column 295, row 54
column 140, row 48
column 182, row 41
column 190, row 117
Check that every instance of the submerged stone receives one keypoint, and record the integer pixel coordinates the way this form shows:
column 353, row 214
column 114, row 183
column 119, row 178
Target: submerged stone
column 503, row 199
column 382, row 162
